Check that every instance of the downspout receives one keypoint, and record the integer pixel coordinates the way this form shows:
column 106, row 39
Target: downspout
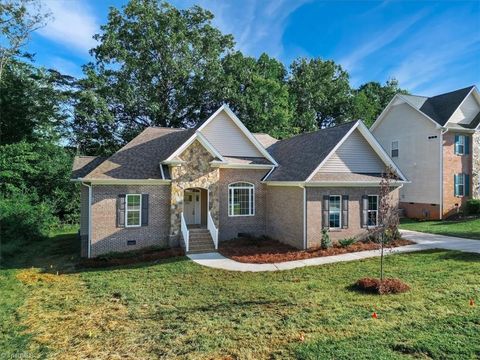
column 442, row 131
column 304, row 217
column 89, row 236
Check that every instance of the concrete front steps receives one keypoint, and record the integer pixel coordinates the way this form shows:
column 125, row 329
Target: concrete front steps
column 200, row 241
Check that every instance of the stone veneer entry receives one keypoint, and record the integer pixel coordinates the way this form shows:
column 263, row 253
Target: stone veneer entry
column 195, row 172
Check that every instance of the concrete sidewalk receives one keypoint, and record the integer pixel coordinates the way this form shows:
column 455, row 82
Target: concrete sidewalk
column 424, row 241
column 442, row 242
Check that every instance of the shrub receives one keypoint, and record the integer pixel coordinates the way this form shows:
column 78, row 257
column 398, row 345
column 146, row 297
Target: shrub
column 326, row 242
column 347, row 242
column 472, row 207
column 387, row 286
column 22, row 220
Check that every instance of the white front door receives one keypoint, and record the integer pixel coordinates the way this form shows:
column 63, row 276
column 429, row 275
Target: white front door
column 191, row 206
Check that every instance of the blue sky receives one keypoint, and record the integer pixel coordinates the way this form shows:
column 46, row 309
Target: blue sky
column 429, row 46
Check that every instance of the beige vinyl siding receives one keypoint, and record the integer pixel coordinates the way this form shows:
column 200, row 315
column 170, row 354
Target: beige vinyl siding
column 355, row 155
column 228, row 139
column 415, row 100
column 419, row 157
column 466, row 112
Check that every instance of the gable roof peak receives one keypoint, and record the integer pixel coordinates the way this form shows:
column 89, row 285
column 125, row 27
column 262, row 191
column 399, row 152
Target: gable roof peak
column 441, row 107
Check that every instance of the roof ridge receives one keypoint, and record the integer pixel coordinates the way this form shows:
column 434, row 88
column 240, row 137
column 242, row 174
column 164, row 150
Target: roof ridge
column 319, row 130
column 166, row 127
column 453, row 91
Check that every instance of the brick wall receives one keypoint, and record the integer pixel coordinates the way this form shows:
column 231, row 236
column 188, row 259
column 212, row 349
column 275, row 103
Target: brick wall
column 107, row 237
column 230, row 226
column 285, row 214
column 453, row 164
column 314, row 212
column 84, row 221
column 421, row 211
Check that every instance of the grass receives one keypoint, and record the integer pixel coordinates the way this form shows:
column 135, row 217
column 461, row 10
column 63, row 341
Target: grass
column 462, row 228
column 177, row 309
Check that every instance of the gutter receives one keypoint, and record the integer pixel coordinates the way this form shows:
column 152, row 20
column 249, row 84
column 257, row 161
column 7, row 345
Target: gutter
column 89, row 236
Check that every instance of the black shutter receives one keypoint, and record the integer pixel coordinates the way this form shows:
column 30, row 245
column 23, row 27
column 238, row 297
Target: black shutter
column 144, row 209
column 325, row 210
column 121, row 210
column 345, row 211
column 364, row 211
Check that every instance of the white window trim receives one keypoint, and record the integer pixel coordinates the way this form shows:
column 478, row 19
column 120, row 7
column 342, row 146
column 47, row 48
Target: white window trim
column 339, row 212
column 139, row 211
column 376, row 211
column 458, row 184
column 231, row 187
column 461, row 141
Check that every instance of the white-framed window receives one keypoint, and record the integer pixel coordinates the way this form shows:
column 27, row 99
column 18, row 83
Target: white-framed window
column 394, row 149
column 133, row 210
column 372, row 210
column 459, row 144
column 459, row 185
column 241, row 199
column 335, row 212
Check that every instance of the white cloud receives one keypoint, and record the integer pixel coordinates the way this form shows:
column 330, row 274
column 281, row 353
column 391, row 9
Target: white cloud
column 378, row 41
column 257, row 25
column 73, row 25
column 65, row 66
column 431, row 65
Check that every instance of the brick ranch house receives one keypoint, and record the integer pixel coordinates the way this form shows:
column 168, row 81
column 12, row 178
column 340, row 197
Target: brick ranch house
column 196, row 187
column 436, row 142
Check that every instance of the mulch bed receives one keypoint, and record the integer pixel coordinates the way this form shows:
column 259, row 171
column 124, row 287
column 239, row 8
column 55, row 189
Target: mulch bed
column 376, row 286
column 264, row 251
column 133, row 257
column 461, row 216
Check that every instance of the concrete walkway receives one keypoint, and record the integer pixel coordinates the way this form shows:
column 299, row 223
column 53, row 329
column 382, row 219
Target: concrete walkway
column 424, row 241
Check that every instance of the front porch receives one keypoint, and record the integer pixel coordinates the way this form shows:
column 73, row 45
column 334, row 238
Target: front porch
column 199, row 234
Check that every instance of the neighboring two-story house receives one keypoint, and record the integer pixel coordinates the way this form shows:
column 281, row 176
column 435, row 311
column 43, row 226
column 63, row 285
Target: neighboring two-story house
column 196, row 187
column 435, row 141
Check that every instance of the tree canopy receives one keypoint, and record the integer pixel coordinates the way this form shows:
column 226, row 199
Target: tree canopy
column 158, row 65
column 155, row 65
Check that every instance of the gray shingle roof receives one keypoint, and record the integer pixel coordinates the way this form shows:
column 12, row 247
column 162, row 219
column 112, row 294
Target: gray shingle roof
column 332, row 177
column 247, row 160
column 300, row 155
column 140, row 158
column 82, row 165
column 441, row 107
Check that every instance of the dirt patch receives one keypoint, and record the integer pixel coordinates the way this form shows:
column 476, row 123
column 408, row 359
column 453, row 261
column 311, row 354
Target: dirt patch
column 130, row 258
column 33, row 276
column 66, row 322
column 376, row 286
column 264, row 251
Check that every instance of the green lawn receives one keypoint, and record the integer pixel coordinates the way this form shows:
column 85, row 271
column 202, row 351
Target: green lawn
column 177, row 309
column 462, row 228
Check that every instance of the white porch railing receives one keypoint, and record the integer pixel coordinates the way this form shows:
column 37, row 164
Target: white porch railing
column 185, row 232
column 213, row 230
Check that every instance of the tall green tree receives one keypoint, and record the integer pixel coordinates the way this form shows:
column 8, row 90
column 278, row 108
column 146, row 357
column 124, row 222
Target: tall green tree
column 18, row 19
column 256, row 90
column 320, row 93
column 32, row 103
column 371, row 98
column 154, row 65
